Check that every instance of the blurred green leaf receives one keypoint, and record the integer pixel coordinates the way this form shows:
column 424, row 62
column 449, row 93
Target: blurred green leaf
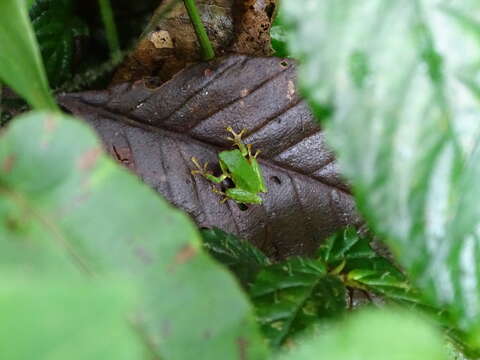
column 57, row 186
column 21, row 66
column 374, row 335
column 279, row 39
column 241, row 257
column 56, row 27
column 53, row 316
column 405, row 128
column 454, row 354
column 291, row 296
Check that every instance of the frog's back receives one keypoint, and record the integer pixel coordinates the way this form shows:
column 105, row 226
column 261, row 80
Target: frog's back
column 240, row 169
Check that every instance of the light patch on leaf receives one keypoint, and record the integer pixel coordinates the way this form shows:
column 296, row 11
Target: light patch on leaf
column 8, row 163
column 88, row 160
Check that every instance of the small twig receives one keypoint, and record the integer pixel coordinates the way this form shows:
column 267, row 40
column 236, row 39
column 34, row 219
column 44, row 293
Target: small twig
column 110, row 28
column 205, row 44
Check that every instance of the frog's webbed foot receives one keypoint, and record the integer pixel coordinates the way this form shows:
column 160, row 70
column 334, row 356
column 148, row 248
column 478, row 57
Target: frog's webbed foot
column 216, row 191
column 202, row 170
column 250, row 156
column 237, row 139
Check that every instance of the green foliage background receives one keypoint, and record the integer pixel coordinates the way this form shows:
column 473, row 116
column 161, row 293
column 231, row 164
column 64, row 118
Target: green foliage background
column 86, row 275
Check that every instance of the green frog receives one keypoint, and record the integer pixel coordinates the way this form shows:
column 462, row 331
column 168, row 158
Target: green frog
column 242, row 167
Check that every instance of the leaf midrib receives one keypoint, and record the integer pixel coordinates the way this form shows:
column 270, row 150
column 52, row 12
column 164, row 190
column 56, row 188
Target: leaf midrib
column 114, row 115
column 300, row 305
column 49, row 225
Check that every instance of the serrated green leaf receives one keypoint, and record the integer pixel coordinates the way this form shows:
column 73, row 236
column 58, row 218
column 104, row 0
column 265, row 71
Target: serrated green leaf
column 374, row 335
column 56, row 27
column 240, row 256
column 346, row 245
column 405, row 128
column 21, row 66
column 350, row 255
column 57, row 186
column 291, row 296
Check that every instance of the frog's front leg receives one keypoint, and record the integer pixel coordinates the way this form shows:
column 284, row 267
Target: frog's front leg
column 237, row 140
column 203, row 170
column 245, row 149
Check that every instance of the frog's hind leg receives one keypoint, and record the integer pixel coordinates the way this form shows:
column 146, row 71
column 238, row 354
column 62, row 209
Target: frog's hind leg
column 216, row 191
column 244, row 197
column 200, row 169
column 256, row 168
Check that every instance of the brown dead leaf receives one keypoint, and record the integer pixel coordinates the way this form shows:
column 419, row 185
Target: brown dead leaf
column 187, row 116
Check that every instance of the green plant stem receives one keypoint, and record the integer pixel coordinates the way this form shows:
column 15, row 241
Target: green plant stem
column 110, row 28
column 205, row 44
column 1, row 100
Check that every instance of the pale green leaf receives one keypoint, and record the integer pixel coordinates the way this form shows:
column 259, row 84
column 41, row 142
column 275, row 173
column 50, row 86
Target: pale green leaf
column 50, row 316
column 374, row 335
column 57, row 186
column 405, row 127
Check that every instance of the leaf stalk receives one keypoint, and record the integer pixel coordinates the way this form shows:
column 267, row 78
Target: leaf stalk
column 110, row 28
column 205, row 44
